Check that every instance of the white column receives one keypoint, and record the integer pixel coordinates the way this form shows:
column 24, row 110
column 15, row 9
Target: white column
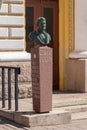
column 80, row 25
column 80, row 50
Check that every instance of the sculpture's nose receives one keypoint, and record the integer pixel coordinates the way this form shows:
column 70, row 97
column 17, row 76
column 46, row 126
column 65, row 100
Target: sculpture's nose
column 44, row 25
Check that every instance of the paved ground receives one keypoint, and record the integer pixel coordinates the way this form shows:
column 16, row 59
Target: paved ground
column 74, row 125
column 59, row 100
column 68, row 101
column 9, row 125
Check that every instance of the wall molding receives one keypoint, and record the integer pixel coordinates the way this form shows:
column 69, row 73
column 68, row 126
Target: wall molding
column 69, row 27
column 66, row 35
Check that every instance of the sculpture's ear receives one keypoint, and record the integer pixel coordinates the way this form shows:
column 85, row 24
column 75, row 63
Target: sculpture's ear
column 28, row 38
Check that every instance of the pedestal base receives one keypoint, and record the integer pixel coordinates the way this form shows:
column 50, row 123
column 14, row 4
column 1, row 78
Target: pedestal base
column 31, row 119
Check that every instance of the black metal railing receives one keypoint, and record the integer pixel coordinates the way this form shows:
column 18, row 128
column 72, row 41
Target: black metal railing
column 16, row 72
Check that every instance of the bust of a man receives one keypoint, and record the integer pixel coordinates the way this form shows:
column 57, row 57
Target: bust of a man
column 40, row 36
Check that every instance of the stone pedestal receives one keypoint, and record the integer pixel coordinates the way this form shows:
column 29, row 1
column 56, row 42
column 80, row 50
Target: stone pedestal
column 76, row 75
column 41, row 73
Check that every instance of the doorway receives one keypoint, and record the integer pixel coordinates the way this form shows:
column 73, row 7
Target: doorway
column 49, row 10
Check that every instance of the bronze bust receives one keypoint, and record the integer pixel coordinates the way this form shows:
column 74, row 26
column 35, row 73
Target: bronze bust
column 40, row 36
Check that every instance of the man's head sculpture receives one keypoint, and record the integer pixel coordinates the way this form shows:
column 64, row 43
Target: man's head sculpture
column 41, row 24
column 40, row 36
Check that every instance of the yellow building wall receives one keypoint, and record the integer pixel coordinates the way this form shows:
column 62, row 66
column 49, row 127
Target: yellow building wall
column 66, row 35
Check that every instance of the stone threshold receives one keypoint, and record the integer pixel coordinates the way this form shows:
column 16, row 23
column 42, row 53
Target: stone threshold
column 32, row 119
column 75, row 108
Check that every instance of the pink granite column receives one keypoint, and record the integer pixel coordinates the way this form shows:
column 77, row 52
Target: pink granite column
column 42, row 78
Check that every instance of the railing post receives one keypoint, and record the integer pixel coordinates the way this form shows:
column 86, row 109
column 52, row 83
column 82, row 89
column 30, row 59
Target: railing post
column 16, row 89
column 17, row 71
column 3, row 87
column 9, row 88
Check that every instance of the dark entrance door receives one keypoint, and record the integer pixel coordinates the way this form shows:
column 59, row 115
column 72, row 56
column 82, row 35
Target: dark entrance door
column 48, row 9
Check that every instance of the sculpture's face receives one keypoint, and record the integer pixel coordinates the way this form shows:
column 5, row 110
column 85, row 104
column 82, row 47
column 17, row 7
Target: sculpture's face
column 42, row 25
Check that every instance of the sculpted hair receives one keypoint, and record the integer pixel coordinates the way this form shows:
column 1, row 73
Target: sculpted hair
column 40, row 19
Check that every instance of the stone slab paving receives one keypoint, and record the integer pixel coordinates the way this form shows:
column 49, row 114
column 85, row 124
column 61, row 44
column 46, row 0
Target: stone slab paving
column 74, row 125
column 9, row 125
column 79, row 115
column 58, row 100
column 68, row 99
column 65, row 101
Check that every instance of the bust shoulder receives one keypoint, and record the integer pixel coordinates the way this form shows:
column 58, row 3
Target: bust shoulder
column 32, row 35
column 40, row 37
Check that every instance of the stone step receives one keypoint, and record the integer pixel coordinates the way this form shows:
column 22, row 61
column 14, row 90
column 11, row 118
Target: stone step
column 79, row 115
column 73, row 108
column 78, row 112
column 77, row 108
